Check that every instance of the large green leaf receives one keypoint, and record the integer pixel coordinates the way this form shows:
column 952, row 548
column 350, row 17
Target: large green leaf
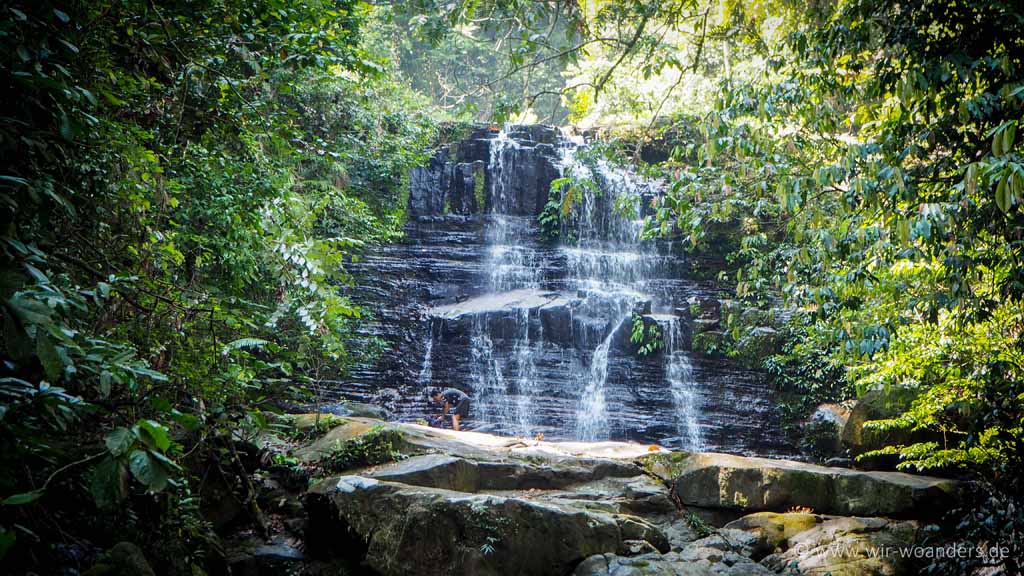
column 109, row 483
column 23, row 498
column 30, row 310
column 153, row 434
column 148, row 470
column 49, row 357
column 119, row 441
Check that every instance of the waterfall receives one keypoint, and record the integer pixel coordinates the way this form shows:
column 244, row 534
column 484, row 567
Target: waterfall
column 539, row 332
column 605, row 270
column 427, row 368
column 507, row 402
column 487, row 377
column 606, row 263
column 591, row 420
column 679, row 373
column 525, row 355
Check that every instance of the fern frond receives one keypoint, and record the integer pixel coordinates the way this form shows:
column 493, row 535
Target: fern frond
column 244, row 344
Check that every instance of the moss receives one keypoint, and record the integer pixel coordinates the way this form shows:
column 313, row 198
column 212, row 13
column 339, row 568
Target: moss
column 479, row 190
column 377, row 446
column 664, row 465
column 308, row 427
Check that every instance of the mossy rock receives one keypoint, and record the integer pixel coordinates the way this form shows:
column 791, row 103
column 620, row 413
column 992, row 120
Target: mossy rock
column 665, row 466
column 773, row 529
column 322, row 447
column 308, row 421
column 756, row 484
column 123, row 559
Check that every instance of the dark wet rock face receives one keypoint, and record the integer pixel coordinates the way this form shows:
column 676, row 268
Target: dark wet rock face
column 540, row 332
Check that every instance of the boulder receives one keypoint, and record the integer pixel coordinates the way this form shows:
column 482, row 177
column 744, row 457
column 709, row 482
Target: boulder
column 722, row 561
column 834, row 413
column 848, row 547
column 692, row 562
column 821, row 431
column 773, row 529
column 427, row 531
column 726, row 481
column 876, row 405
column 123, row 559
column 603, row 459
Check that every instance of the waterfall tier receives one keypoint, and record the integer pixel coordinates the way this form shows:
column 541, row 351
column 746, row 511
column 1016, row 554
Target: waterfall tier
column 540, row 333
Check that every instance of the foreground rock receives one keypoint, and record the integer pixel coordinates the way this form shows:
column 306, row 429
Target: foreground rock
column 422, row 531
column 725, row 481
column 470, row 503
column 849, row 547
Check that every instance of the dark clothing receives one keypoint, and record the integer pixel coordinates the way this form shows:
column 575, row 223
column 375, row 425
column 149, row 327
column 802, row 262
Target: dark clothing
column 453, row 396
column 458, row 402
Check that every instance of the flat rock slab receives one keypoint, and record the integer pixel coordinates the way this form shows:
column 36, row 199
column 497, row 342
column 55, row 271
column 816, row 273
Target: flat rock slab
column 725, row 481
column 522, row 299
column 408, row 530
column 478, row 446
column 464, row 475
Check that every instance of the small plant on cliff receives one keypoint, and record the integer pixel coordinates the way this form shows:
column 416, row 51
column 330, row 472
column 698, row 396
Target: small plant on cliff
column 701, row 527
column 648, row 338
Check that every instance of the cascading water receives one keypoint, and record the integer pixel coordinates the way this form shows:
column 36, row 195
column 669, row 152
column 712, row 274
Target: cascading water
column 604, row 267
column 592, row 418
column 505, row 393
column 540, row 333
column 679, row 373
column 427, row 369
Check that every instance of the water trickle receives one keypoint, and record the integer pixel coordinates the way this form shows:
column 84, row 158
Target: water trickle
column 592, row 418
column 426, row 374
column 679, row 373
column 487, row 377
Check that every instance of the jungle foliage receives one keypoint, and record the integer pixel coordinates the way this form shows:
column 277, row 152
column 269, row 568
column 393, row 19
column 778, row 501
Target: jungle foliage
column 183, row 184
column 864, row 159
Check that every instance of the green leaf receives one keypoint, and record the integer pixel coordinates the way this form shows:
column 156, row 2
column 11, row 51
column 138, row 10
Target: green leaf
column 109, row 483
column 153, row 434
column 1003, row 195
column 7, row 540
column 119, row 441
column 29, row 310
column 48, row 357
column 186, row 421
column 106, row 378
column 243, row 343
column 148, row 470
column 23, row 498
column 16, row 341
